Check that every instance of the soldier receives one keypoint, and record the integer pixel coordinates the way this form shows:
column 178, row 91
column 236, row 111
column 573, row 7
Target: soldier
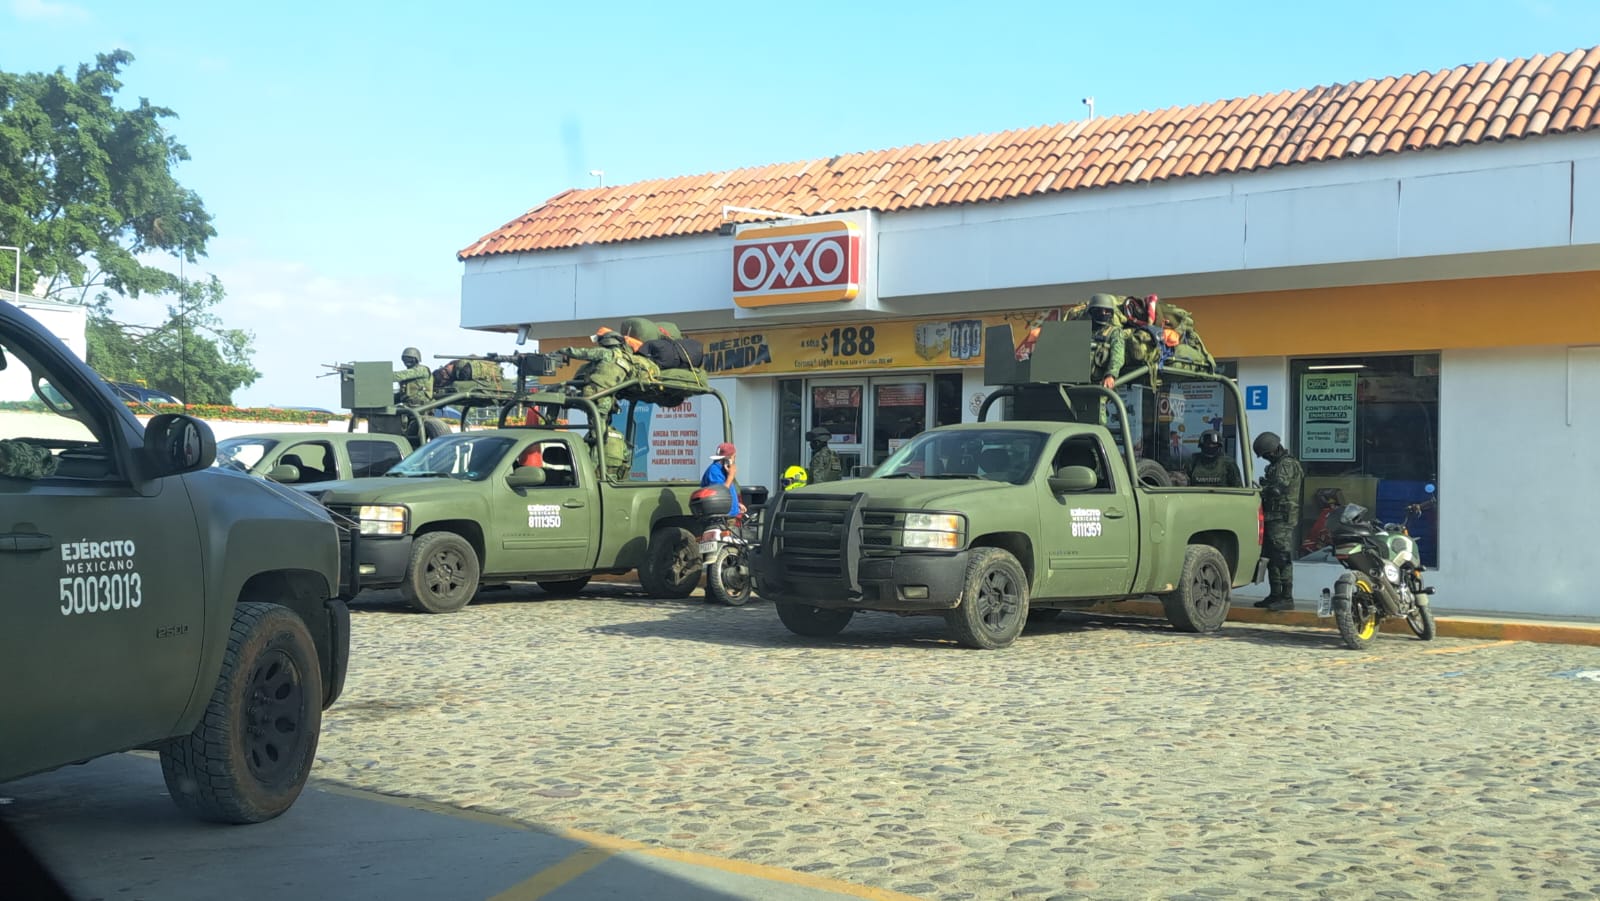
column 1108, row 351
column 1280, row 504
column 416, row 380
column 21, row 460
column 824, row 466
column 609, row 365
column 1210, row 468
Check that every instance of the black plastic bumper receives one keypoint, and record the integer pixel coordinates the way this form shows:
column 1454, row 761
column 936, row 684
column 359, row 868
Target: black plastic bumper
column 907, row 582
column 382, row 562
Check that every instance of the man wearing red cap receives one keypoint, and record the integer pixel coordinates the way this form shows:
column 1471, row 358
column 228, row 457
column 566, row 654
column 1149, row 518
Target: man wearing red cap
column 721, row 473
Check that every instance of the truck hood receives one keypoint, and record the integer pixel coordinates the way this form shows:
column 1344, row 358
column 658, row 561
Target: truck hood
column 914, row 494
column 383, row 490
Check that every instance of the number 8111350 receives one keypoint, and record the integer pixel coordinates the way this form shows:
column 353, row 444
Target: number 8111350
column 98, row 594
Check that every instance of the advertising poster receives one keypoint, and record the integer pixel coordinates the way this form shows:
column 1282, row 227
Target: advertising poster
column 675, row 450
column 1197, row 406
column 1327, row 416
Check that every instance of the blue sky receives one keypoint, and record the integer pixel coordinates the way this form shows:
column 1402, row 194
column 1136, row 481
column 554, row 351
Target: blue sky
column 349, row 149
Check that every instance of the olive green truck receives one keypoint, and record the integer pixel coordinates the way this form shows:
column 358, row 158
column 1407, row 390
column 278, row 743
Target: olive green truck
column 992, row 523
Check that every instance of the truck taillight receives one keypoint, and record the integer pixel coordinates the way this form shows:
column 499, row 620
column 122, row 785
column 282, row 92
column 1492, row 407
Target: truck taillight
column 1261, row 527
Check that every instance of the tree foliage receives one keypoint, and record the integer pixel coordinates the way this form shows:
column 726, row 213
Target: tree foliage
column 87, row 187
column 191, row 355
column 87, row 191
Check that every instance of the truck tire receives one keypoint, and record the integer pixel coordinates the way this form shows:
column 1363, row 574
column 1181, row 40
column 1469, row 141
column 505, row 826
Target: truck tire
column 442, row 576
column 728, row 577
column 1154, row 474
column 812, row 622
column 564, row 586
column 671, row 563
column 994, row 601
column 1204, row 593
column 434, row 427
column 248, row 757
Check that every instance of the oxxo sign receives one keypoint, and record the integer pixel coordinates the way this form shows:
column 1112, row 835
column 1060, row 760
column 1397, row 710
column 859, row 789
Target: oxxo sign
column 816, row 262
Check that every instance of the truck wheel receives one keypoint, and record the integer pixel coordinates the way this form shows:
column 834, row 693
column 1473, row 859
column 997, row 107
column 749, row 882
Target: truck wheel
column 564, row 586
column 443, row 574
column 248, row 757
column 812, row 622
column 1154, row 474
column 994, row 601
column 434, row 427
column 728, row 577
column 671, row 563
column 1205, row 590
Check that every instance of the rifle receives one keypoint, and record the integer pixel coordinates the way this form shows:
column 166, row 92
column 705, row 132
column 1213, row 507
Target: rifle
column 338, row 368
column 528, row 363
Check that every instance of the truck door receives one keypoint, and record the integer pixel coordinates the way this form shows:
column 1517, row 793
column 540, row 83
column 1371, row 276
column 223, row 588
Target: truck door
column 102, row 615
column 547, row 528
column 1091, row 536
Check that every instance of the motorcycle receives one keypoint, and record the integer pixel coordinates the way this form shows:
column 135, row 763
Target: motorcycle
column 727, row 542
column 1384, row 578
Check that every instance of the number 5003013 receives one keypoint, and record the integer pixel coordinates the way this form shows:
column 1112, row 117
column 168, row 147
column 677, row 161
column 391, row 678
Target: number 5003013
column 98, row 594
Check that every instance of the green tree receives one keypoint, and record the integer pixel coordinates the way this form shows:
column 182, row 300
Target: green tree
column 191, row 355
column 87, row 187
column 87, row 190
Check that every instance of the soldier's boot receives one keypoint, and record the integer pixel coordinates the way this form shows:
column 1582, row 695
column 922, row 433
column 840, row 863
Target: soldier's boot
column 1285, row 597
column 1273, row 596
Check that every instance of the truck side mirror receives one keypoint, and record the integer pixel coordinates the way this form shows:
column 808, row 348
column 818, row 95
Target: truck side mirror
column 175, row 443
column 526, row 477
column 285, row 472
column 1069, row 479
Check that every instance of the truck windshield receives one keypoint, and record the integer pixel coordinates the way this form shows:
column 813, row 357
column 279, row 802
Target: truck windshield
column 996, row 455
column 242, row 453
column 468, row 457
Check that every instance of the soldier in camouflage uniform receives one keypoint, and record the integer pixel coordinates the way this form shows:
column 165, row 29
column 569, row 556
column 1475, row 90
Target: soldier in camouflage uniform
column 1280, row 504
column 609, row 365
column 825, row 465
column 416, row 380
column 21, row 460
column 1209, row 468
column 1108, row 350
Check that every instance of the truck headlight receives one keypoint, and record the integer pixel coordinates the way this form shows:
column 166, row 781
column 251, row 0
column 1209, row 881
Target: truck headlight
column 934, row 531
column 382, row 519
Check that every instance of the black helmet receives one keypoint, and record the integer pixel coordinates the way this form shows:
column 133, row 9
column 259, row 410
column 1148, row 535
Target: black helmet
column 1210, row 443
column 411, row 356
column 818, row 434
column 1266, row 445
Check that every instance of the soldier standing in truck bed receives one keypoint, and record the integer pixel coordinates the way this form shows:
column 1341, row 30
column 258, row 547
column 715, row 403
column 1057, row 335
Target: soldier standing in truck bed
column 608, row 365
column 415, row 381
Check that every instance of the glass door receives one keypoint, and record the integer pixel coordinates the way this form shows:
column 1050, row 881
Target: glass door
column 899, row 413
column 835, row 405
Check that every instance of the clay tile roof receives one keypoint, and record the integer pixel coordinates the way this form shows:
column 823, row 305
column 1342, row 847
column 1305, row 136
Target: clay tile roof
column 1486, row 101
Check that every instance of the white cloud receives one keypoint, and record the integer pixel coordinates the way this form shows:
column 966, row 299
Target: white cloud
column 48, row 11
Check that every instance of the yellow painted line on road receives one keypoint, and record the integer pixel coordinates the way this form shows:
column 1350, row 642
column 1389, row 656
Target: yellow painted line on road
column 1471, row 647
column 555, row 876
column 602, row 847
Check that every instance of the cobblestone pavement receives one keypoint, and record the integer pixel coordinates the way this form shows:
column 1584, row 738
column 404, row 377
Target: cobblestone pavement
column 1097, row 757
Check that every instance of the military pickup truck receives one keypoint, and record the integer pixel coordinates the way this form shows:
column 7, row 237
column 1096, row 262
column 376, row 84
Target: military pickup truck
column 306, row 458
column 540, row 502
column 993, row 523
column 152, row 601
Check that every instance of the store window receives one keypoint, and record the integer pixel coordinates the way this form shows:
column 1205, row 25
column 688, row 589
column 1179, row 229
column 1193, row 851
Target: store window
column 1368, row 427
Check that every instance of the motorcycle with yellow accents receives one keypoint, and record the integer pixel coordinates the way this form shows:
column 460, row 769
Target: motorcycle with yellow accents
column 1384, row 579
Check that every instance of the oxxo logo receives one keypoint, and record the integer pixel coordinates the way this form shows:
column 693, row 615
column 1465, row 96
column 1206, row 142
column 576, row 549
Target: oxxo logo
column 811, row 263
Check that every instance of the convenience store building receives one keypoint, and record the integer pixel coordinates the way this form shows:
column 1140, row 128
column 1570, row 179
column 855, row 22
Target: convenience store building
column 1403, row 274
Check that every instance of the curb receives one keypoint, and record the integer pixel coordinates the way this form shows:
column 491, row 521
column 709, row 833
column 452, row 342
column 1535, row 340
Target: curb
column 1470, row 627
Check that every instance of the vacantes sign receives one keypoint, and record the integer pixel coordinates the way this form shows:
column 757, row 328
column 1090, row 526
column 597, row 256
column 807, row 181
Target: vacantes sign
column 1328, row 416
column 817, row 262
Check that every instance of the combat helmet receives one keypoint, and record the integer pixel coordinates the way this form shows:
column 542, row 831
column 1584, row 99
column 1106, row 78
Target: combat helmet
column 1102, row 308
column 1210, row 443
column 411, row 356
column 1266, row 445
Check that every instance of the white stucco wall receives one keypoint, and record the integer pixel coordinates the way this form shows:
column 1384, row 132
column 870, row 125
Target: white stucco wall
column 1519, row 435
column 66, row 321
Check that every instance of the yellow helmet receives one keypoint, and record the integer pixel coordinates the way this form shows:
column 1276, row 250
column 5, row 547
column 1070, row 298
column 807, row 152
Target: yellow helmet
column 795, row 477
